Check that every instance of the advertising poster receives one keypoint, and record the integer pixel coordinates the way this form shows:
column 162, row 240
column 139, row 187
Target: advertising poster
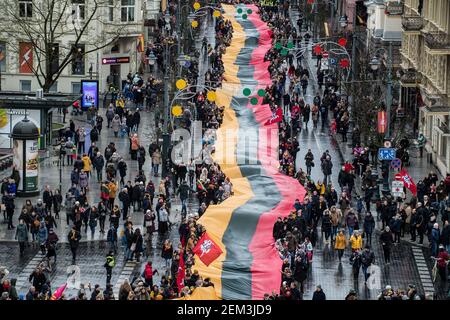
column 9, row 118
column 32, row 147
column 18, row 160
column 89, row 90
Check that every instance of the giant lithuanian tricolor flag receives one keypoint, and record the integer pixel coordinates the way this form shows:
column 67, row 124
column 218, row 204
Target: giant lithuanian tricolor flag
column 247, row 152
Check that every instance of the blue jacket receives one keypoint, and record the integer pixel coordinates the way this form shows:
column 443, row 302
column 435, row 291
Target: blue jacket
column 435, row 235
column 42, row 234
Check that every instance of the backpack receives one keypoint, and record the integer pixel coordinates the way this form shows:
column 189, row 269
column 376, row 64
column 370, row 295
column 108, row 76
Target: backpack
column 148, row 273
column 111, row 262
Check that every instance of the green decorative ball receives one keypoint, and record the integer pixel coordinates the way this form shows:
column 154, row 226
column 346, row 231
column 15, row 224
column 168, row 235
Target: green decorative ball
column 278, row 46
column 284, row 52
column 261, row 92
column 239, row 10
column 249, row 11
column 244, row 16
column 247, row 92
column 254, row 101
column 290, row 45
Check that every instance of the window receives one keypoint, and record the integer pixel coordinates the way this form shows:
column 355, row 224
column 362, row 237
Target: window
column 76, row 87
column 26, row 8
column 54, row 58
column 78, row 65
column 115, row 48
column 111, row 10
column 2, row 56
column 25, row 85
column 78, row 9
column 54, row 87
column 127, row 11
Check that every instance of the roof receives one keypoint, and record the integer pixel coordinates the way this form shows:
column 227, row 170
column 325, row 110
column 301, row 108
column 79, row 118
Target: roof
column 20, row 100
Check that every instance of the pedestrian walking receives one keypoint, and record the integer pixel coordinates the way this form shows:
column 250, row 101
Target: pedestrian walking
column 74, row 238
column 367, row 259
column 110, row 263
column 340, row 244
column 318, row 294
column 21, row 235
column 386, row 240
column 111, row 238
column 309, row 162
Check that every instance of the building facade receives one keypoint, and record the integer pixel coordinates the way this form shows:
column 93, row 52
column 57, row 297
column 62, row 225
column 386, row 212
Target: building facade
column 122, row 20
column 425, row 80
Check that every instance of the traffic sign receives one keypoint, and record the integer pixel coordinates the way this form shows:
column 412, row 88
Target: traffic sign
column 387, row 144
column 333, row 61
column 325, row 54
column 396, row 164
column 386, row 154
column 397, row 188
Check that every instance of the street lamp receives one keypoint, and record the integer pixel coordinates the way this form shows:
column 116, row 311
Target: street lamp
column 374, row 64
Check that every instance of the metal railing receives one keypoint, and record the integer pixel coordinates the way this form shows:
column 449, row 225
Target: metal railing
column 437, row 40
column 412, row 23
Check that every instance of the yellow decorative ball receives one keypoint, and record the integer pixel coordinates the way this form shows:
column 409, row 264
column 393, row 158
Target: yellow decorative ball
column 211, row 96
column 216, row 13
column 194, row 24
column 177, row 111
column 181, row 84
column 197, row 5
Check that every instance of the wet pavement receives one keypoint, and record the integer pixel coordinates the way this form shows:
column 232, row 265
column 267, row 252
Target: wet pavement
column 406, row 260
column 336, row 279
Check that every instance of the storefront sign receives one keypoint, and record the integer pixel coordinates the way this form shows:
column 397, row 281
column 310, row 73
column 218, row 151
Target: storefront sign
column 116, row 60
column 394, row 8
column 89, row 90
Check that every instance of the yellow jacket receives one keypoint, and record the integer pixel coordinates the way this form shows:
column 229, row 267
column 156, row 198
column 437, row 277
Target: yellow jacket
column 320, row 188
column 341, row 242
column 86, row 163
column 112, row 189
column 356, row 242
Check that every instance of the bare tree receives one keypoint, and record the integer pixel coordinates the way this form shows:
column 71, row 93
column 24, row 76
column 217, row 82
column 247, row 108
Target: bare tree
column 57, row 31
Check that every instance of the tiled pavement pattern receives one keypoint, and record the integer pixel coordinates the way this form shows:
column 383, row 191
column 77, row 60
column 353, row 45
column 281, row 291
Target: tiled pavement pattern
column 422, row 267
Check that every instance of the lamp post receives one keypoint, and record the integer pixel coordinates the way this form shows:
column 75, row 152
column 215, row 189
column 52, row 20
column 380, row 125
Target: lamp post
column 375, row 64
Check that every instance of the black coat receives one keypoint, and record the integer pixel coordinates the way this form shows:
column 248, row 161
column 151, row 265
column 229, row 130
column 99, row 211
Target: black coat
column 319, row 296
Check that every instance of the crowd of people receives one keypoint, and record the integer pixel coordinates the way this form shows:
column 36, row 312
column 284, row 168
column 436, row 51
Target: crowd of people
column 119, row 197
column 344, row 217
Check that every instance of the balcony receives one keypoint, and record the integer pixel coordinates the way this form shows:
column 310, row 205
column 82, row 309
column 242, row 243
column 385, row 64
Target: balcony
column 412, row 24
column 437, row 43
column 410, row 78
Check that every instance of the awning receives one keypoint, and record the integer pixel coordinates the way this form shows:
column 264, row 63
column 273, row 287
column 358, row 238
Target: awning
column 436, row 111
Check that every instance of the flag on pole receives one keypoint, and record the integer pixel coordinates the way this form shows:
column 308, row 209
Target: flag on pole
column 140, row 44
column 277, row 117
column 407, row 181
column 58, row 293
column 207, row 250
